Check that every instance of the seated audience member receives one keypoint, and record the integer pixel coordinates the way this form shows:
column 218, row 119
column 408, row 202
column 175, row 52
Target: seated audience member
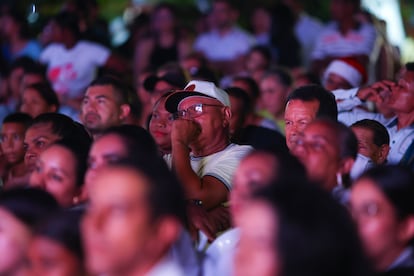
column 20, row 210
column 328, row 150
column 158, row 85
column 202, row 155
column 135, row 144
column 160, row 125
column 345, row 36
column 297, row 231
column 38, row 98
column 373, row 145
column 72, row 63
column 60, row 170
column 250, row 86
column 395, row 97
column 11, row 143
column 304, row 105
column 306, row 78
column 165, row 43
column 56, row 246
column 275, row 87
column 344, row 73
column 261, row 23
column 257, row 169
column 137, row 240
column 46, row 129
column 16, row 41
column 247, row 134
column 225, row 45
column 382, row 206
column 117, row 143
column 258, row 62
column 105, row 104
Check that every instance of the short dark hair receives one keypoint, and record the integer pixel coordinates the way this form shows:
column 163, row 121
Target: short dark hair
column 18, row 118
column 165, row 194
column 282, row 74
column 137, row 140
column 61, row 125
column 63, row 227
column 316, row 236
column 397, row 184
column 69, row 21
column 121, row 89
column 327, row 103
column 409, row 66
column 380, row 133
column 242, row 95
column 28, row 205
column 263, row 50
column 252, row 84
column 46, row 92
column 79, row 147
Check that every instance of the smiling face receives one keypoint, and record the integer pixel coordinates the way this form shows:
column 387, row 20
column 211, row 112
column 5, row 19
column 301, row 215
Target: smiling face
column 380, row 229
column 37, row 138
column 56, row 172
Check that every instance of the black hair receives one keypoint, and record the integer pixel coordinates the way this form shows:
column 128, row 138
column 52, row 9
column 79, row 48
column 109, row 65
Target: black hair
column 19, row 118
column 397, row 184
column 21, row 62
column 36, row 68
column 63, row 227
column 380, row 133
column 120, row 88
column 283, row 76
column 46, row 92
column 264, row 51
column 327, row 103
column 165, row 194
column 315, row 236
column 61, row 125
column 28, row 205
column 409, row 66
column 252, row 84
column 137, row 140
column 69, row 21
column 79, row 147
column 241, row 94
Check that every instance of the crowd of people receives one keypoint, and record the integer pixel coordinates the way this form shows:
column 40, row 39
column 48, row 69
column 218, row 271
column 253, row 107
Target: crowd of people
column 286, row 149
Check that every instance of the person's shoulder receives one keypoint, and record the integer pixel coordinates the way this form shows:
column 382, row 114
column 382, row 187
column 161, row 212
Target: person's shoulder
column 86, row 44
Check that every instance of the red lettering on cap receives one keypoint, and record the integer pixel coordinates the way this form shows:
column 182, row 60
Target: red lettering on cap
column 190, row 87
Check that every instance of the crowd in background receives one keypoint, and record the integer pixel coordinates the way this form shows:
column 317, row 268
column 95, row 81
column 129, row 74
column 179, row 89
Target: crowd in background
column 205, row 149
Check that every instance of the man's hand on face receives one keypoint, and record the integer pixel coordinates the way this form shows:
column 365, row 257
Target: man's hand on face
column 185, row 131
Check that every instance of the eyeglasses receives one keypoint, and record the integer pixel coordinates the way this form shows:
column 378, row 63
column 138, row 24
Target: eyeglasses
column 193, row 111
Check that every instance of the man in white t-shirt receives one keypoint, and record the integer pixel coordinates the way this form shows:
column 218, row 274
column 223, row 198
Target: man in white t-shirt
column 202, row 155
column 226, row 44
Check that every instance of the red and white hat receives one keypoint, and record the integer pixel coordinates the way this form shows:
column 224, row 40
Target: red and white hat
column 348, row 68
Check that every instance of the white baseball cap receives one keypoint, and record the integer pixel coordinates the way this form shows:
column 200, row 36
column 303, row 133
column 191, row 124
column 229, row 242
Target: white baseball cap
column 196, row 88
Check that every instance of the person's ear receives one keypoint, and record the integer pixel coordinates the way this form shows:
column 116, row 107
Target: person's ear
column 226, row 116
column 382, row 154
column 346, row 165
column 125, row 110
column 81, row 196
column 406, row 230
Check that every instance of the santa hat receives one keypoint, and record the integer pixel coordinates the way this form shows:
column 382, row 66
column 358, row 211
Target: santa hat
column 348, row 68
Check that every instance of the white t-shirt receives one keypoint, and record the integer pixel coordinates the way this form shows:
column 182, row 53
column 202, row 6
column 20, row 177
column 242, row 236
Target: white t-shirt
column 220, row 165
column 332, row 43
column 71, row 70
column 226, row 47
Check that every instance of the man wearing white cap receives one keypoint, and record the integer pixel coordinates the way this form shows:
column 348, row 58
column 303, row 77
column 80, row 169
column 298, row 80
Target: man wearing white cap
column 202, row 155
